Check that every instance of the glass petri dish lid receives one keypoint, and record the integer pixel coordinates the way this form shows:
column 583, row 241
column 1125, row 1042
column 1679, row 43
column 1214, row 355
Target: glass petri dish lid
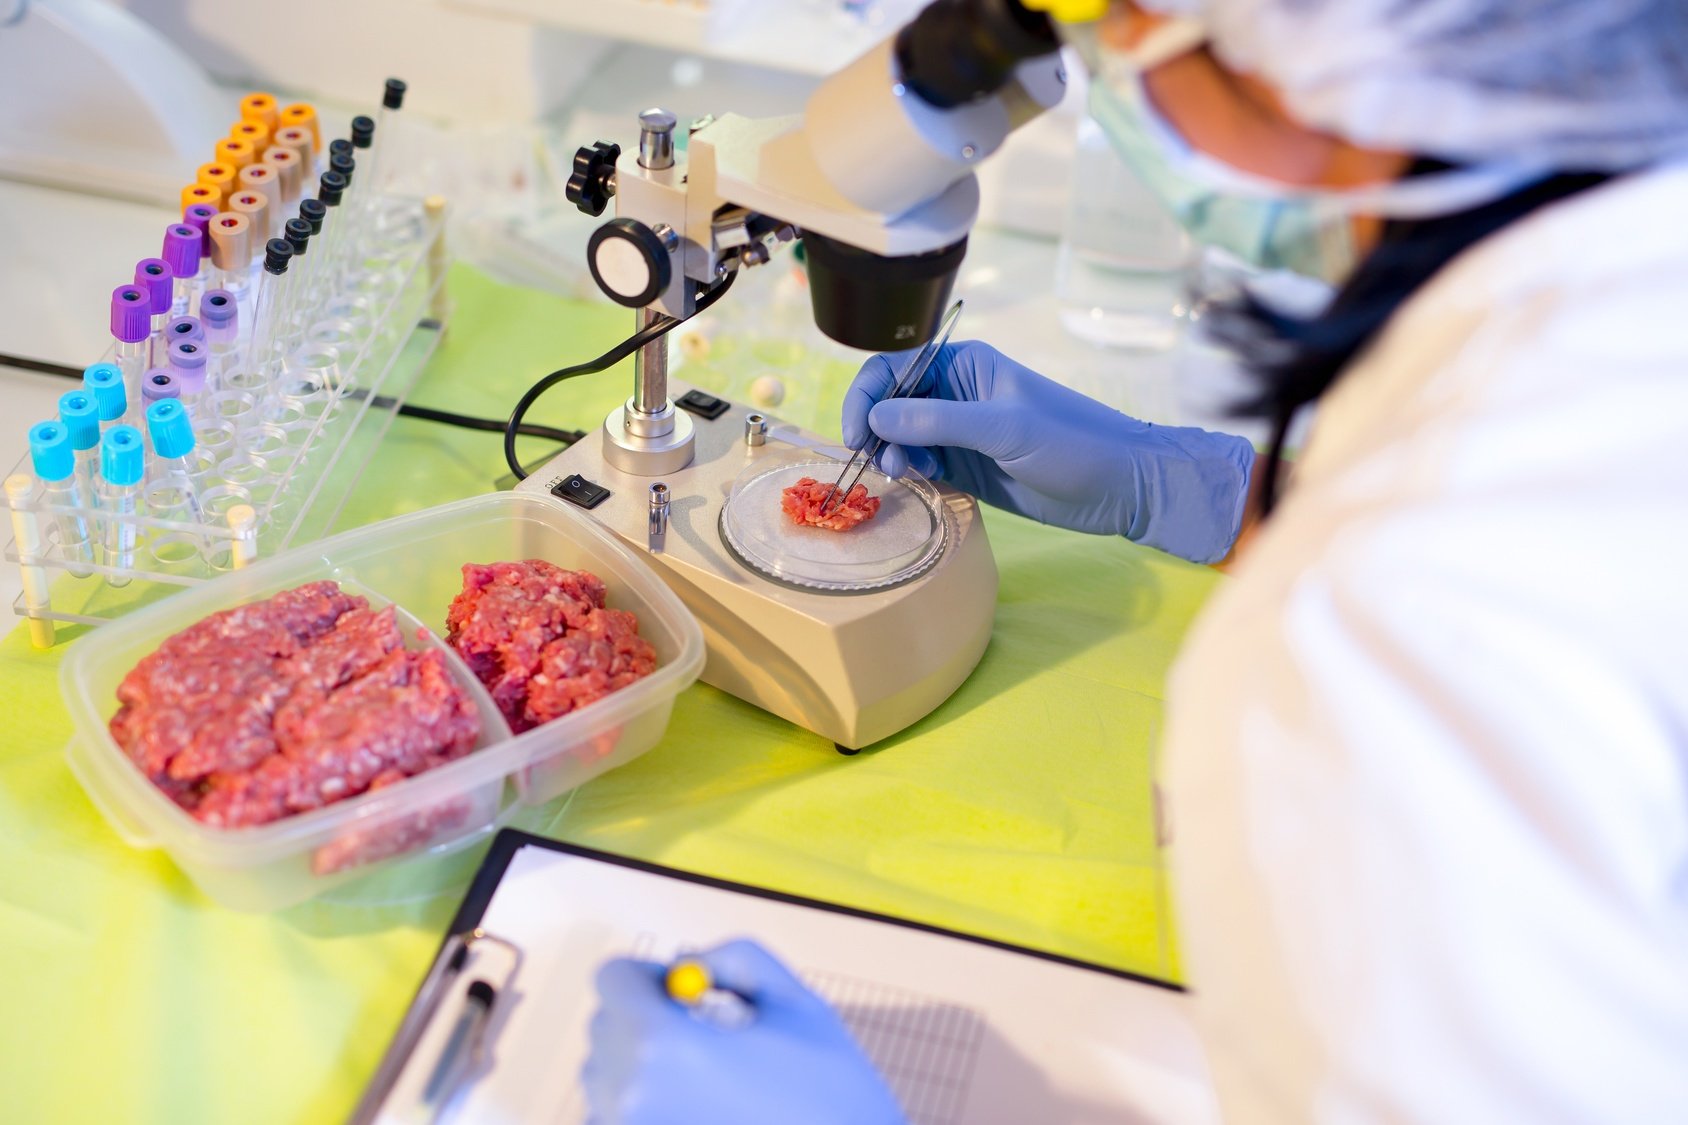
column 902, row 541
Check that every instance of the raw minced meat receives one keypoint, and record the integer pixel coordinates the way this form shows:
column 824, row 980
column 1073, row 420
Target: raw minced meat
column 541, row 640
column 803, row 502
column 288, row 704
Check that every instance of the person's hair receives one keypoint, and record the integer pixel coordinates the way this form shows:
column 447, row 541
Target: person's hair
column 1296, row 360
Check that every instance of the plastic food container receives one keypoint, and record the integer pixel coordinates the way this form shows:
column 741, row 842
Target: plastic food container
column 413, row 562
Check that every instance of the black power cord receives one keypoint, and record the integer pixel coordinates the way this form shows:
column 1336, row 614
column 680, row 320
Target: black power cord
column 514, row 427
column 422, row 413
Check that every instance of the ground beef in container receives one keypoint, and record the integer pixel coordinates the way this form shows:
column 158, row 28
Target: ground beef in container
column 288, row 704
column 803, row 501
column 541, row 640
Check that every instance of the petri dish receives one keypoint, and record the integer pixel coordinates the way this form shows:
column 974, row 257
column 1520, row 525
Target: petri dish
column 903, row 540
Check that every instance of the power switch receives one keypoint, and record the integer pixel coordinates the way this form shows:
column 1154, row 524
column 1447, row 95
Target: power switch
column 704, row 405
column 577, row 489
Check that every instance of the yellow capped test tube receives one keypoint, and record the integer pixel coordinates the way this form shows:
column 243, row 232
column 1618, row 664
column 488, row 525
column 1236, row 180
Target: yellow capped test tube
column 220, row 178
column 260, row 108
column 235, row 151
column 254, row 133
column 199, row 193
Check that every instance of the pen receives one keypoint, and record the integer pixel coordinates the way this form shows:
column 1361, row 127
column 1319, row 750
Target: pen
column 690, row 983
column 462, row 1048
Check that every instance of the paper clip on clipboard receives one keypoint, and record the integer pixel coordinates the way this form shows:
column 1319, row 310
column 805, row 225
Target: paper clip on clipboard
column 438, row 1044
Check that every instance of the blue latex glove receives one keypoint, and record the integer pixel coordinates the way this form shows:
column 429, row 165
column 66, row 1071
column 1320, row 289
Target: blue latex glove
column 1004, row 433
column 653, row 1062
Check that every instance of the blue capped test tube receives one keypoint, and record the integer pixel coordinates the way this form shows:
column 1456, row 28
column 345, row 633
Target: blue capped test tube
column 81, row 417
column 54, row 461
column 122, row 465
column 111, row 398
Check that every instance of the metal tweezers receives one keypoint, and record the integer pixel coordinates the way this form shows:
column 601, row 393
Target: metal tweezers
column 902, row 388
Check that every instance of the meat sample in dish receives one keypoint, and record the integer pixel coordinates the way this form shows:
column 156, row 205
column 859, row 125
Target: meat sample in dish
column 803, row 503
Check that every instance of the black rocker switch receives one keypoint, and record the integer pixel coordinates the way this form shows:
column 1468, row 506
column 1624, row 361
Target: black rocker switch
column 577, row 489
column 703, row 405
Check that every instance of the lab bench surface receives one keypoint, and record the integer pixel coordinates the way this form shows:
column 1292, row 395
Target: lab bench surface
column 1021, row 809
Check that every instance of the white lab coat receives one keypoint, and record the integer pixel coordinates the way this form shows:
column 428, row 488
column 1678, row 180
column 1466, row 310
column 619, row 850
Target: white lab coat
column 1427, row 761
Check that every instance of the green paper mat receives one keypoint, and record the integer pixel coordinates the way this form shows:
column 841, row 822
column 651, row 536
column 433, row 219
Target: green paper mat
column 1021, row 809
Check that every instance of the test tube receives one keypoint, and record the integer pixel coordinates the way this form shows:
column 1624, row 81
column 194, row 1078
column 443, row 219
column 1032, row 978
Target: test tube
column 171, row 431
column 154, row 277
column 54, row 461
column 256, row 208
column 253, row 372
column 122, row 465
column 183, row 328
column 392, row 100
column 346, row 247
column 231, row 252
column 261, row 108
column 187, row 363
column 298, row 235
column 220, row 178
column 260, row 179
column 236, row 151
column 302, row 115
column 197, row 193
column 298, row 142
column 104, row 382
column 131, row 328
column 199, row 216
column 182, row 244
column 157, row 385
column 313, row 212
column 219, row 312
column 21, row 491
column 331, row 193
column 255, row 133
column 291, row 171
column 81, row 417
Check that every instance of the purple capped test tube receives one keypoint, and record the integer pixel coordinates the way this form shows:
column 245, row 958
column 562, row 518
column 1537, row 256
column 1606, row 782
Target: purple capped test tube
column 219, row 313
column 187, row 363
column 183, row 243
column 154, row 277
column 160, row 383
column 131, row 326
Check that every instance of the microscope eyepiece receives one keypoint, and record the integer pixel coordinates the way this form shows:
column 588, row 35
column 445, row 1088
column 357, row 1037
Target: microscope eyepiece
column 957, row 51
column 879, row 304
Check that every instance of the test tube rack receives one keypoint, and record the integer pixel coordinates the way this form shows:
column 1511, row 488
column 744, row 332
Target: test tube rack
column 270, row 487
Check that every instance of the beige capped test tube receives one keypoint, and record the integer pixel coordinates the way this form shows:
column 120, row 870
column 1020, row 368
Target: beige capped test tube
column 257, row 210
column 235, row 152
column 262, row 179
column 261, row 108
column 303, row 115
column 291, row 171
column 231, row 250
column 299, row 142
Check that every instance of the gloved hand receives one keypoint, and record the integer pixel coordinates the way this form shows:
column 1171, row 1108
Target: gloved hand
column 1004, row 433
column 653, row 1062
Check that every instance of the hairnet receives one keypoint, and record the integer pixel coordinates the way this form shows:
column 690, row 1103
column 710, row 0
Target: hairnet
column 1596, row 85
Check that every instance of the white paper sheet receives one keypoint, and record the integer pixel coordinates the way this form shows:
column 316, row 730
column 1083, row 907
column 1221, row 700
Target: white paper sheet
column 966, row 1034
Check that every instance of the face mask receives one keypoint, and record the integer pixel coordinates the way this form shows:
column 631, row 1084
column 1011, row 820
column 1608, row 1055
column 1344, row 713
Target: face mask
column 1264, row 232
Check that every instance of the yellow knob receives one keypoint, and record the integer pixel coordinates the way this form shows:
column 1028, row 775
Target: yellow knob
column 1070, row 11
column 688, row 982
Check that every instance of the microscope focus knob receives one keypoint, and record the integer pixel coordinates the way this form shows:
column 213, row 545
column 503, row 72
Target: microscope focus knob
column 592, row 182
column 630, row 261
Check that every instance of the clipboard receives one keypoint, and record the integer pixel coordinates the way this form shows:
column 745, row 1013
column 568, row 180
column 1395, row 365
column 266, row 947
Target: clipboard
column 968, row 1030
